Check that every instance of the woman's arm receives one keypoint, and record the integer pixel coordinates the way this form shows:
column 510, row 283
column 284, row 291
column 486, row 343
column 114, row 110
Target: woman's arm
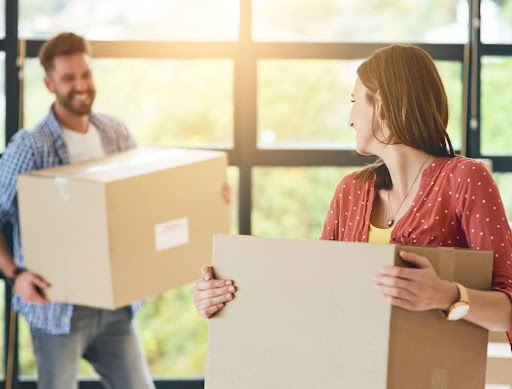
column 491, row 310
column 421, row 289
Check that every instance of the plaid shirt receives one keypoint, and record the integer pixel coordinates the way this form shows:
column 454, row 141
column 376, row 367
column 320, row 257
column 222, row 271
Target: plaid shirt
column 39, row 148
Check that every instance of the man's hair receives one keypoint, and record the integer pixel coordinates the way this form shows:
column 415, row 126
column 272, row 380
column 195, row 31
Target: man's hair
column 65, row 43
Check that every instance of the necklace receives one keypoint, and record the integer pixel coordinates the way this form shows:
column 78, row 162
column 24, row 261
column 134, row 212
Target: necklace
column 392, row 215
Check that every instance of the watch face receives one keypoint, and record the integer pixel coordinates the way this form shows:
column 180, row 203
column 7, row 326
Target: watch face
column 458, row 312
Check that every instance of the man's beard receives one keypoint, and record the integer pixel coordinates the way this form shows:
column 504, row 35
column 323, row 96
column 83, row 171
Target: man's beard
column 80, row 108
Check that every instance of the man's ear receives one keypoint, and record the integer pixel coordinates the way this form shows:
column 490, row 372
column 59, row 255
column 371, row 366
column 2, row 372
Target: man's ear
column 49, row 84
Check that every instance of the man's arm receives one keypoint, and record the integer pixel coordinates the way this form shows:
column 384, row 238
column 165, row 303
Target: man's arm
column 17, row 159
column 7, row 265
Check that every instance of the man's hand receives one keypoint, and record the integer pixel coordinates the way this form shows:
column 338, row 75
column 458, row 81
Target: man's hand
column 226, row 193
column 30, row 287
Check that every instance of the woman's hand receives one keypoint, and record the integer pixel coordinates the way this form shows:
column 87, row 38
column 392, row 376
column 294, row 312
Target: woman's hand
column 417, row 289
column 211, row 295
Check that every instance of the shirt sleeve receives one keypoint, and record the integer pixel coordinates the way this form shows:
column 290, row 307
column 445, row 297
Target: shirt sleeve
column 125, row 138
column 17, row 159
column 484, row 221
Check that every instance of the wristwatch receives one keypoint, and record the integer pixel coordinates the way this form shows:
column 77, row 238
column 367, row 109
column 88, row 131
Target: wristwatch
column 12, row 278
column 461, row 307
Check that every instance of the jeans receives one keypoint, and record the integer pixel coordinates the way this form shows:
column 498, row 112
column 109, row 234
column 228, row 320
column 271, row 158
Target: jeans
column 106, row 339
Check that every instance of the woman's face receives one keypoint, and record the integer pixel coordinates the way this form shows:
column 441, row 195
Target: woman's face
column 362, row 120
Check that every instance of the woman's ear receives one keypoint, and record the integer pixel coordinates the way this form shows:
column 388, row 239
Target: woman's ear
column 379, row 108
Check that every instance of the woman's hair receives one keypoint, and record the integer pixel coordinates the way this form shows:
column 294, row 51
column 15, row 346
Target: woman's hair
column 414, row 103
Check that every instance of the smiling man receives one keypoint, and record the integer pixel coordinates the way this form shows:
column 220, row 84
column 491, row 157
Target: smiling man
column 62, row 333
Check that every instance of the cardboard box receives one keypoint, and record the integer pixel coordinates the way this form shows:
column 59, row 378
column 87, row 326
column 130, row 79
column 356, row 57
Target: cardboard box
column 114, row 230
column 307, row 315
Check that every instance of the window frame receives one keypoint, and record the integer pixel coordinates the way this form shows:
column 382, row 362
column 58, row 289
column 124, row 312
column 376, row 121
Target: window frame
column 245, row 153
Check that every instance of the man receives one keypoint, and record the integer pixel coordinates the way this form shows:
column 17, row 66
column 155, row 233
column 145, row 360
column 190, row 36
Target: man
column 62, row 333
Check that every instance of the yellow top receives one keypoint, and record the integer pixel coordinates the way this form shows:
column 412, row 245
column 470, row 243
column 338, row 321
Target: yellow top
column 379, row 235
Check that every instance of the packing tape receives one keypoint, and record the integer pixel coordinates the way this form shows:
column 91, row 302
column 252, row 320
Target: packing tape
column 133, row 159
column 62, row 184
column 439, row 379
column 446, row 271
column 446, row 265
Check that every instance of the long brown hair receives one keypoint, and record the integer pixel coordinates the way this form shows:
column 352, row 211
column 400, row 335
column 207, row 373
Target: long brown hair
column 414, row 103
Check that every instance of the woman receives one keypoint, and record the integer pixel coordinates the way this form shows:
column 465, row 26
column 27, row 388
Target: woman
column 417, row 193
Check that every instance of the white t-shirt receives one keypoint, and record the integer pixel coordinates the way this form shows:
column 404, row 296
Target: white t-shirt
column 82, row 147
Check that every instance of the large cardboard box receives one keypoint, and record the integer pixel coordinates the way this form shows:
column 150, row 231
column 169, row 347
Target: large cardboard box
column 114, row 230
column 307, row 316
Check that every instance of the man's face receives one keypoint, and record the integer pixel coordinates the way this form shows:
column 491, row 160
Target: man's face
column 72, row 84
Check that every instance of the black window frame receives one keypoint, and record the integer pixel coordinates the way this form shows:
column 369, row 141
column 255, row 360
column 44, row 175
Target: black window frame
column 245, row 153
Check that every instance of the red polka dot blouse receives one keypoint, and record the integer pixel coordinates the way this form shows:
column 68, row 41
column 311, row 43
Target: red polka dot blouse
column 457, row 205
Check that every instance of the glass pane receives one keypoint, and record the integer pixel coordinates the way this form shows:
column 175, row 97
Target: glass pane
column 361, row 21
column 495, row 108
column 199, row 20
column 234, row 182
column 2, row 102
column 306, row 103
column 451, row 74
column 173, row 334
column 165, row 102
column 496, row 16
column 3, row 328
column 292, row 202
column 2, row 19
column 28, row 367
column 504, row 182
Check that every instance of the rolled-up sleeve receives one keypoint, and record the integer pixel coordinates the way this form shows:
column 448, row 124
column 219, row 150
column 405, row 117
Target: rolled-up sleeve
column 17, row 159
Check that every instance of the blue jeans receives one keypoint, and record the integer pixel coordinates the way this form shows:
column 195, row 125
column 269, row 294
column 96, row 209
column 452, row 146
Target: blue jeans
column 107, row 339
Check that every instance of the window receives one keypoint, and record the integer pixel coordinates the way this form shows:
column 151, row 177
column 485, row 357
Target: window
column 183, row 103
column 496, row 21
column 192, row 20
column 316, row 115
column 270, row 83
column 496, row 102
column 292, row 202
column 361, row 21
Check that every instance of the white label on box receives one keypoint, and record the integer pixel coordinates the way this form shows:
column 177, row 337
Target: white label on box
column 171, row 234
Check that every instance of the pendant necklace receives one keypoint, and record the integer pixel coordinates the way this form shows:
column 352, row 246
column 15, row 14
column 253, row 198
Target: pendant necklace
column 392, row 215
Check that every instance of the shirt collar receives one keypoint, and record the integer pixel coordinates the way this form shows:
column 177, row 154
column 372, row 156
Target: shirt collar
column 58, row 140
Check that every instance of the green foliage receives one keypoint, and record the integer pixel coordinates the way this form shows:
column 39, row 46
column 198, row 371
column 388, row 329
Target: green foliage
column 292, row 202
column 496, row 98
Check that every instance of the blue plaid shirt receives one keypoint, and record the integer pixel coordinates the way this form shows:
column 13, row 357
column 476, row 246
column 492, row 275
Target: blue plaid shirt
column 39, row 148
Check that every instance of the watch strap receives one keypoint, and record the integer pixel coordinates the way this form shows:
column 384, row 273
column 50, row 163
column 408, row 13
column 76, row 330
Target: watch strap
column 463, row 293
column 15, row 274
